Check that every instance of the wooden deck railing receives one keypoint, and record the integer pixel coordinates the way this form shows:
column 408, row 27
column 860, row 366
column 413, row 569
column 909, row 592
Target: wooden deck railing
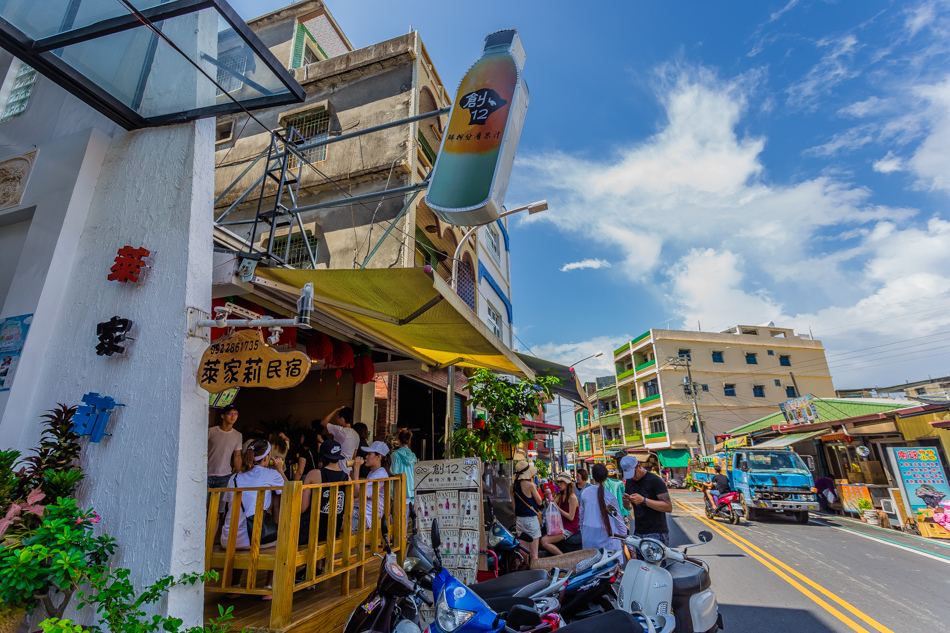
column 340, row 553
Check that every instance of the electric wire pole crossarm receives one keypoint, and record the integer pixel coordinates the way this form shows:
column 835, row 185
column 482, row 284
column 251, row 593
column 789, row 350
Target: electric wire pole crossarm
column 534, row 207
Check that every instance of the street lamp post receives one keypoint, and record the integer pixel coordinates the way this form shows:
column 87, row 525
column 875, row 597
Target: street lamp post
column 534, row 207
column 560, row 418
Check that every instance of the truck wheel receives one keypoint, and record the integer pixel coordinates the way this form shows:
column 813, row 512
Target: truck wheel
column 802, row 517
column 749, row 511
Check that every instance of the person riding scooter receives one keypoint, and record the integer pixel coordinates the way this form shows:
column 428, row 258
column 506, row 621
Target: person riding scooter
column 718, row 486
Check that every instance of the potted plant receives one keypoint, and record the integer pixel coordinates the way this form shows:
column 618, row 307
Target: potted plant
column 507, row 403
column 868, row 513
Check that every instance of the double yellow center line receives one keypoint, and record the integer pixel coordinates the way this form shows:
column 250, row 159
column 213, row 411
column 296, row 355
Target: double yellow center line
column 804, row 584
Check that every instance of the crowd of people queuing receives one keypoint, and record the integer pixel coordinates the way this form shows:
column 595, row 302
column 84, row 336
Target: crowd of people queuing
column 592, row 511
column 330, row 450
column 559, row 515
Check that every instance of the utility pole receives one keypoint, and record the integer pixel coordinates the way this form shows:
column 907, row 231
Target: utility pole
column 683, row 361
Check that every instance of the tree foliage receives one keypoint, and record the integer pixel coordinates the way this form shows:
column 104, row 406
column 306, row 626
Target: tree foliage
column 507, row 403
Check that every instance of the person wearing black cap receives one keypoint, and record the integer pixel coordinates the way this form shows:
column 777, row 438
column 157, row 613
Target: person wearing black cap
column 331, row 453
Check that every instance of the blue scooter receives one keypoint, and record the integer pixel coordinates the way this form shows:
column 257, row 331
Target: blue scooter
column 458, row 609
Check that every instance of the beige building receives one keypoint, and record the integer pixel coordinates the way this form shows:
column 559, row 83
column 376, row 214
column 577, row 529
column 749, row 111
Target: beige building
column 738, row 375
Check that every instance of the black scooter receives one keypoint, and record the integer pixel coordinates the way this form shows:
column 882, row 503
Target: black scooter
column 393, row 607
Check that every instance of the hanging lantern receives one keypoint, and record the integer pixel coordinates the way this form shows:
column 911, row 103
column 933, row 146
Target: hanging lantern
column 320, row 346
column 342, row 355
column 363, row 370
column 530, row 446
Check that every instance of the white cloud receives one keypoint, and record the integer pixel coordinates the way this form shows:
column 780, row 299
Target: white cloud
column 931, row 160
column 889, row 164
column 860, row 109
column 707, row 286
column 693, row 218
column 834, row 67
column 585, row 263
column 570, row 353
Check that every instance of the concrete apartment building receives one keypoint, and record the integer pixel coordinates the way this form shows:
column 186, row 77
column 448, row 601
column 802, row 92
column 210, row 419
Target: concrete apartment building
column 739, row 375
column 348, row 90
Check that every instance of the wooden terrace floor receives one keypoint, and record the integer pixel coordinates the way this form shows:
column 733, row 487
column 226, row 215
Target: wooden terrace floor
column 322, row 610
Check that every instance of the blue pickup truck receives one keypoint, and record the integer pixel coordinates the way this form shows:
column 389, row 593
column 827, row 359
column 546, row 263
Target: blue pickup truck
column 769, row 480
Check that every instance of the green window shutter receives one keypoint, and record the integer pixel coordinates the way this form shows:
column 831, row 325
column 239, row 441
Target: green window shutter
column 299, row 41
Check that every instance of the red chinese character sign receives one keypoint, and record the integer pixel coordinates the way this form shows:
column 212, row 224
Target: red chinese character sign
column 244, row 360
column 471, row 173
column 128, row 264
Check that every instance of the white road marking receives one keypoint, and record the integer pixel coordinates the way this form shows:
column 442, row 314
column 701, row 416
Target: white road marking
column 892, row 544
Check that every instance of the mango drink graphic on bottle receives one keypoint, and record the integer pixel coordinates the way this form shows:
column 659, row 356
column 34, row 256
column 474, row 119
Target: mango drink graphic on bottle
column 471, row 172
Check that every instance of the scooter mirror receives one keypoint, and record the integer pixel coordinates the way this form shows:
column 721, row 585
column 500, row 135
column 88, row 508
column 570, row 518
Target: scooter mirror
column 436, row 539
column 705, row 536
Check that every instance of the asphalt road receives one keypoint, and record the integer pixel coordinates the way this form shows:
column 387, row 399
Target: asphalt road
column 774, row 575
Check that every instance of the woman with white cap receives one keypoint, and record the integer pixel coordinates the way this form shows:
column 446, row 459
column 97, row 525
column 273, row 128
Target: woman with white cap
column 527, row 504
column 254, row 474
column 378, row 461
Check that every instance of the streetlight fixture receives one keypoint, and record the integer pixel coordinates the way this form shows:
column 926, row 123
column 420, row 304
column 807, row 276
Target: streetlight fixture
column 534, row 207
column 560, row 404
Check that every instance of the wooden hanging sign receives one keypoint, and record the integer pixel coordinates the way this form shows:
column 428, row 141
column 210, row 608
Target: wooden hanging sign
column 244, row 360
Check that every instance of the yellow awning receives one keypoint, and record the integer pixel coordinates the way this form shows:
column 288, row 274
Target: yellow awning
column 414, row 312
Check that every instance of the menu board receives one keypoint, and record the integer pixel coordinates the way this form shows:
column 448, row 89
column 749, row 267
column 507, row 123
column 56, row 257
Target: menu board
column 450, row 490
column 920, row 474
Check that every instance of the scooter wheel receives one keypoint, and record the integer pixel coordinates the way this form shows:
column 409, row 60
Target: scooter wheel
column 734, row 518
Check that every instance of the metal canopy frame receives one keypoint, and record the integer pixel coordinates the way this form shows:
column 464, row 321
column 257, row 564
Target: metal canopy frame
column 40, row 55
column 288, row 143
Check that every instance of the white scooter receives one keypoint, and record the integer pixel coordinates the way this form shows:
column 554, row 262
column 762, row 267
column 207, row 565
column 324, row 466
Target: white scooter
column 666, row 581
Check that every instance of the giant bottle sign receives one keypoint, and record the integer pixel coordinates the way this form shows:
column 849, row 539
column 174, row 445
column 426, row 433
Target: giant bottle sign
column 471, row 173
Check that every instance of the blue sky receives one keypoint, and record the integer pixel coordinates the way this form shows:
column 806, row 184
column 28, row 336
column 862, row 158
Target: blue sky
column 720, row 163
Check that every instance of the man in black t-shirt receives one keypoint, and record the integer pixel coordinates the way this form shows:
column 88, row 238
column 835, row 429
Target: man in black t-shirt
column 718, row 486
column 646, row 495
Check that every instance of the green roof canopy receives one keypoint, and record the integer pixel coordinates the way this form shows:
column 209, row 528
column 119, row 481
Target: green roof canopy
column 829, row 410
column 674, row 458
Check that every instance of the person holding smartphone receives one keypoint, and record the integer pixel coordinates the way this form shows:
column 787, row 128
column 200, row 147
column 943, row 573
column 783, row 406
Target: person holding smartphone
column 647, row 496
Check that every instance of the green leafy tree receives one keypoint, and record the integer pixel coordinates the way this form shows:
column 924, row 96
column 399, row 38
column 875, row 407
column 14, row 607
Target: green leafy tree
column 507, row 403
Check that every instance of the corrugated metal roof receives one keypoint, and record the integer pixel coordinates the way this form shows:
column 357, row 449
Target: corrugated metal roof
column 830, row 409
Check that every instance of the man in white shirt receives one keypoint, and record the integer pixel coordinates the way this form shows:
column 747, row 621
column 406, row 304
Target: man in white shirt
column 339, row 424
column 224, row 450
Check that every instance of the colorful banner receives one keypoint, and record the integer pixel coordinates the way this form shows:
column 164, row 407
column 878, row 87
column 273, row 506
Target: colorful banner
column 734, row 442
column 851, row 494
column 12, row 337
column 800, row 410
column 921, row 477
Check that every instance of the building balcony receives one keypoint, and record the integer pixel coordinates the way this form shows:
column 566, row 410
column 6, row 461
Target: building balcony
column 645, row 366
column 607, row 392
column 636, row 436
column 626, row 374
column 629, row 406
column 640, row 340
column 655, row 438
column 609, row 419
column 623, row 349
column 650, row 401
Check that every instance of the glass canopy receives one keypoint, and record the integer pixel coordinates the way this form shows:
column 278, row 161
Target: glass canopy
column 107, row 54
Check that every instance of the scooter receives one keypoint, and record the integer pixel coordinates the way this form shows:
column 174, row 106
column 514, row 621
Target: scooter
column 728, row 507
column 666, row 580
column 511, row 554
column 393, row 607
column 461, row 609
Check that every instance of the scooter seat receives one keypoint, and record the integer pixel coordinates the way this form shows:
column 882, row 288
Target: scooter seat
column 615, row 620
column 687, row 578
column 504, row 604
column 565, row 561
column 513, row 585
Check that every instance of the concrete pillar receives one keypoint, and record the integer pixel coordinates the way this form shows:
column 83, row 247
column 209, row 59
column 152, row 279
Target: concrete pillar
column 155, row 190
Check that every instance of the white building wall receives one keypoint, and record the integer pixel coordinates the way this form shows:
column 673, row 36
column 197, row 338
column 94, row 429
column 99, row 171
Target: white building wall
column 499, row 267
column 89, row 195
